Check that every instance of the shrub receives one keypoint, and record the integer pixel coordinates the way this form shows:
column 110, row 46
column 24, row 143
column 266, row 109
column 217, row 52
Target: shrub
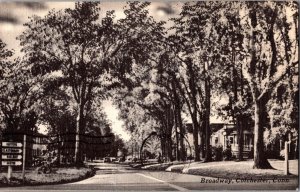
column 282, row 153
column 272, row 154
column 190, row 157
column 227, row 154
column 292, row 154
column 251, row 154
column 217, row 152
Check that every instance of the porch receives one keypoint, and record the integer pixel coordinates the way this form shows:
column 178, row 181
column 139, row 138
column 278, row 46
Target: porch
column 232, row 141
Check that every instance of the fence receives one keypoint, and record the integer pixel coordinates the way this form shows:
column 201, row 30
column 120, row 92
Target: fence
column 61, row 146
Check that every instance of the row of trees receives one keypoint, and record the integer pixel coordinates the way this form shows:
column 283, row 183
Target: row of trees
column 29, row 100
column 49, row 85
column 244, row 52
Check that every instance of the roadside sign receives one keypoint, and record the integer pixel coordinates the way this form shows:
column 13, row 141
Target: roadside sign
column 11, row 150
column 11, row 163
column 11, row 156
column 11, row 144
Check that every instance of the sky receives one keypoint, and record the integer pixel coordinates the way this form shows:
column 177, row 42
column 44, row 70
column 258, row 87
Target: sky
column 116, row 124
column 14, row 14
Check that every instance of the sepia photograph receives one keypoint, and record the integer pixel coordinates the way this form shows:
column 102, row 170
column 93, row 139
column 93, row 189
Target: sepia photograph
column 149, row 95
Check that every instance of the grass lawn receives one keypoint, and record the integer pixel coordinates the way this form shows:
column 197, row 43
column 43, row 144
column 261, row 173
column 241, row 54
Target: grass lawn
column 278, row 164
column 58, row 175
column 242, row 169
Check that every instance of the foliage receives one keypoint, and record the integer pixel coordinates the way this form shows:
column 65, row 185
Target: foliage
column 227, row 154
column 75, row 44
column 19, row 93
column 217, row 153
column 236, row 59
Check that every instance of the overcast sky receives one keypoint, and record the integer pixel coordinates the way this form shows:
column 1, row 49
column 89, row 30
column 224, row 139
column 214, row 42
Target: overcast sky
column 14, row 14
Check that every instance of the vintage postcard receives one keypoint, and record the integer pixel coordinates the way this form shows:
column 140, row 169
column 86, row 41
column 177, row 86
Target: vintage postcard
column 149, row 95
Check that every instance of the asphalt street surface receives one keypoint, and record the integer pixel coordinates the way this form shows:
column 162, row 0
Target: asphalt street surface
column 122, row 177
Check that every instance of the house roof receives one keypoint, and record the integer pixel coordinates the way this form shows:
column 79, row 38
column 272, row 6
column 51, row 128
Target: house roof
column 213, row 126
column 216, row 126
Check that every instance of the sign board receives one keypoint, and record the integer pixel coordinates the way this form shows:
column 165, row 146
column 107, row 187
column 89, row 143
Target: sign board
column 11, row 144
column 11, row 163
column 11, row 156
column 11, row 150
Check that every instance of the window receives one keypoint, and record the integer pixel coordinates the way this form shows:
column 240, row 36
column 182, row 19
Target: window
column 231, row 140
column 38, row 152
column 216, row 140
column 34, row 152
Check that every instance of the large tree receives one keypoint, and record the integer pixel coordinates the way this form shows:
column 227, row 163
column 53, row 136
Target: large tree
column 77, row 44
column 143, row 88
column 199, row 51
column 19, row 91
column 230, row 81
column 271, row 41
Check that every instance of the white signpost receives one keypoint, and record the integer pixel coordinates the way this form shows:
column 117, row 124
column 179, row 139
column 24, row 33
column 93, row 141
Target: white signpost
column 286, row 158
column 12, row 155
column 11, row 150
column 11, row 163
column 11, row 144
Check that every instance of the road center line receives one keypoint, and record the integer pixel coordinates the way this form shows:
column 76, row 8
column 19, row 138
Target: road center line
column 169, row 184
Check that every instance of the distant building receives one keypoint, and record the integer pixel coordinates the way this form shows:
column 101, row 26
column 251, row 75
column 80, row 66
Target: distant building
column 226, row 136
column 39, row 144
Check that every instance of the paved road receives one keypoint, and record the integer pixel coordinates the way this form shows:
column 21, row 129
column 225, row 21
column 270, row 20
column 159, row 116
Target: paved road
column 121, row 177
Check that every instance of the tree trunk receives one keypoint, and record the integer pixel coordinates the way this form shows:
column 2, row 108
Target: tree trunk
column 168, row 133
column 79, row 128
column 202, row 144
column 170, row 147
column 195, row 136
column 240, row 130
column 208, row 153
column 181, row 138
column 193, row 109
column 177, row 115
column 163, row 143
column 177, row 155
column 201, row 135
column 260, row 161
column 58, row 149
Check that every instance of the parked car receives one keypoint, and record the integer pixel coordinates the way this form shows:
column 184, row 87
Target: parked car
column 134, row 160
column 106, row 160
column 121, row 159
